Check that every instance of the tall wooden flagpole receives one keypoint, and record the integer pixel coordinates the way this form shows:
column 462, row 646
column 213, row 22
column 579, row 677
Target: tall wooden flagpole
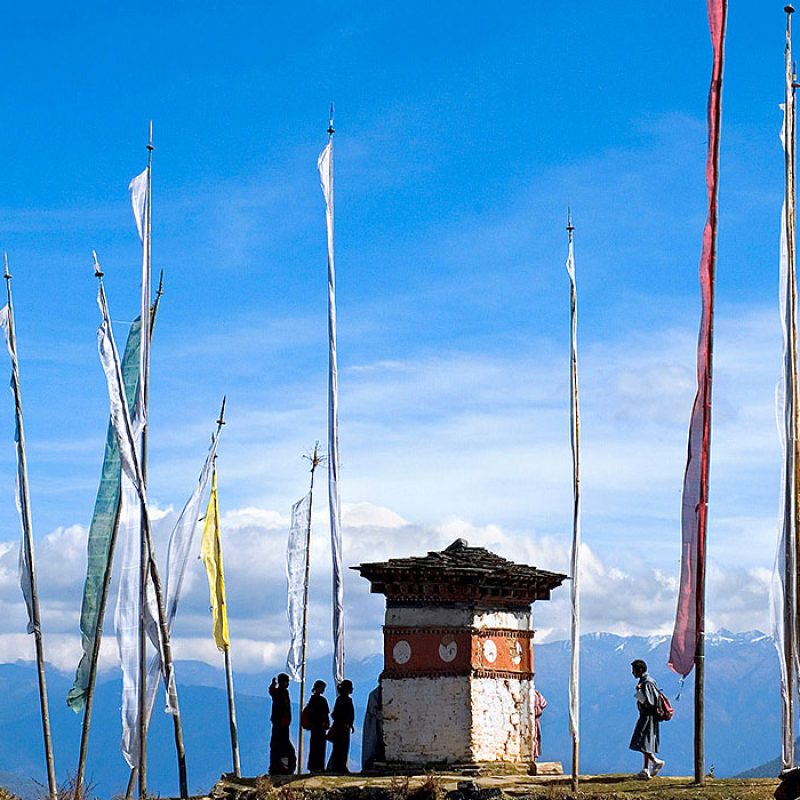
column 237, row 768
column 575, row 628
column 27, row 530
column 148, row 564
column 315, row 461
column 792, row 541
column 712, row 180
column 144, row 550
column 687, row 649
column 325, row 167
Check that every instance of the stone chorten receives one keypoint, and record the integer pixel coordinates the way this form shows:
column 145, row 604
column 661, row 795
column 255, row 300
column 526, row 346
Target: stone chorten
column 458, row 655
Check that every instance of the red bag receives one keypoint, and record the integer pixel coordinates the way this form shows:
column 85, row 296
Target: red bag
column 664, row 709
column 305, row 719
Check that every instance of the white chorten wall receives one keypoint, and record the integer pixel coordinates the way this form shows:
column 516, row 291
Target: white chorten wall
column 427, row 720
column 502, row 720
column 479, row 707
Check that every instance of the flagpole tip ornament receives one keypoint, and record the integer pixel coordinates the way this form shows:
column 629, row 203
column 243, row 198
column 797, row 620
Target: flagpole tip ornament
column 789, row 9
column 221, row 420
column 331, row 129
column 7, row 274
column 150, row 138
column 98, row 273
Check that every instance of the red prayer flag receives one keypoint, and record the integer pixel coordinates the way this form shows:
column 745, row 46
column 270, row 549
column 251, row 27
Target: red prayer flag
column 690, row 615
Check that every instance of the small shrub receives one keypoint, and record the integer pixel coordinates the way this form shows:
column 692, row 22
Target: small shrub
column 398, row 788
column 265, row 789
column 431, row 788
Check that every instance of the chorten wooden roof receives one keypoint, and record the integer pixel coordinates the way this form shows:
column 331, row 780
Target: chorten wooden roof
column 460, row 573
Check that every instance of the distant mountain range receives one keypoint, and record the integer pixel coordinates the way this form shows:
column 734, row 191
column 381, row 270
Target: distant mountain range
column 742, row 703
column 741, row 697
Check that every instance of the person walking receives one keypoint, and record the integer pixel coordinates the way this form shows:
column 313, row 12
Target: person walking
column 339, row 734
column 282, row 758
column 645, row 733
column 316, row 719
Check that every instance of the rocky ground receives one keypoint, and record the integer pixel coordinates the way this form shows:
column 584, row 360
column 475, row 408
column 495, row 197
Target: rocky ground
column 444, row 786
column 450, row 786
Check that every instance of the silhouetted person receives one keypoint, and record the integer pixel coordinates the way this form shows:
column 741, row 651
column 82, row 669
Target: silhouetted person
column 539, row 705
column 343, row 717
column 282, row 758
column 316, row 719
column 645, row 734
column 372, row 746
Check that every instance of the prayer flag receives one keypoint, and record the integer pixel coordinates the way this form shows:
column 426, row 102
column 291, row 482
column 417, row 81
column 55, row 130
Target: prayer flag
column 133, row 514
column 140, row 201
column 106, row 509
column 296, row 565
column 575, row 629
column 783, row 589
column 690, row 614
column 325, row 167
column 24, row 566
column 211, row 553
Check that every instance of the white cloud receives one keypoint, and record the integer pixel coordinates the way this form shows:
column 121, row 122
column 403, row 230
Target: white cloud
column 458, row 444
column 635, row 596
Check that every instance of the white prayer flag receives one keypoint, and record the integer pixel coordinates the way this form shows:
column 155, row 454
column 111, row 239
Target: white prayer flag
column 138, row 190
column 296, row 564
column 325, row 167
column 140, row 201
column 782, row 594
column 575, row 631
column 178, row 549
column 133, row 506
column 24, row 567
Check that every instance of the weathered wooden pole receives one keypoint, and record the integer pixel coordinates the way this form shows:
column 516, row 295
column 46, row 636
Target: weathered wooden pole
column 27, row 544
column 315, row 461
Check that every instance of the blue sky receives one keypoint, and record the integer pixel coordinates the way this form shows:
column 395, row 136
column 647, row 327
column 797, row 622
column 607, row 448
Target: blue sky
column 463, row 133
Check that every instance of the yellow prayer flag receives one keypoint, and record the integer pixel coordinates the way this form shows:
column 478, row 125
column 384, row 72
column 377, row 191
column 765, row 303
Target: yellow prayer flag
column 211, row 553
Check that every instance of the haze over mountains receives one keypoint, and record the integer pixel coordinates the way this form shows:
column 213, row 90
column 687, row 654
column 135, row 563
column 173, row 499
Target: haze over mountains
column 741, row 695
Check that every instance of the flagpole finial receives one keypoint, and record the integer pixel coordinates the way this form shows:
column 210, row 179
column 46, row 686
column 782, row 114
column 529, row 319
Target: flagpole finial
column 150, row 138
column 98, row 273
column 570, row 226
column 789, row 9
column 221, row 420
column 160, row 289
column 7, row 274
column 314, row 457
column 331, row 129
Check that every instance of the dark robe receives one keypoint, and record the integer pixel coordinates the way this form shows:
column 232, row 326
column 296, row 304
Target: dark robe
column 282, row 758
column 372, row 746
column 343, row 717
column 317, row 717
column 645, row 733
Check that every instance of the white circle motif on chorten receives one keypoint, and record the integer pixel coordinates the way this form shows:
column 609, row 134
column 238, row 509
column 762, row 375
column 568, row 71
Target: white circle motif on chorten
column 448, row 649
column 401, row 652
column 490, row 651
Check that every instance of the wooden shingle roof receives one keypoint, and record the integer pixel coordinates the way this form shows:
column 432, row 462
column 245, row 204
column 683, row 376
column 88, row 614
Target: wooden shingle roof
column 460, row 573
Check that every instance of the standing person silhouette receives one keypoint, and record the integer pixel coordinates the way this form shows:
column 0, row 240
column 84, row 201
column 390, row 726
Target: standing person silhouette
column 645, row 734
column 282, row 758
column 316, row 719
column 339, row 734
